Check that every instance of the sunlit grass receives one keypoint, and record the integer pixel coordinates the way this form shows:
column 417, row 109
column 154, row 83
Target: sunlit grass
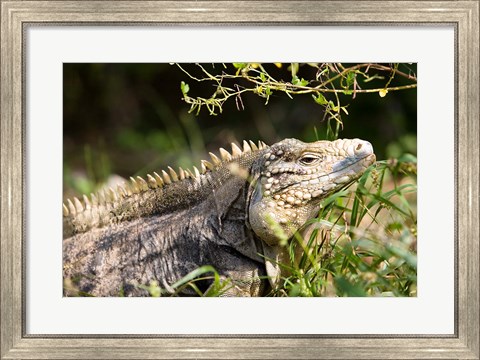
column 361, row 244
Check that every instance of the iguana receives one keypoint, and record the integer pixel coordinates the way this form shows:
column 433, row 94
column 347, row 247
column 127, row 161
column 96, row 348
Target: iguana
column 229, row 215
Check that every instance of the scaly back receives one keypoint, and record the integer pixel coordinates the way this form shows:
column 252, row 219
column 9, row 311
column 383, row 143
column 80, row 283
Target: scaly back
column 157, row 194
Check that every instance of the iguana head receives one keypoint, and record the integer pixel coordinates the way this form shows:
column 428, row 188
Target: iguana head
column 292, row 177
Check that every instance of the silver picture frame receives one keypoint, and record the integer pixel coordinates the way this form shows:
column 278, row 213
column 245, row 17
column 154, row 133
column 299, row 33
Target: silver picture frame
column 17, row 15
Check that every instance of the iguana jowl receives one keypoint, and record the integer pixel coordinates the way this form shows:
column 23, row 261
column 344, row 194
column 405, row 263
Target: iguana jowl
column 226, row 215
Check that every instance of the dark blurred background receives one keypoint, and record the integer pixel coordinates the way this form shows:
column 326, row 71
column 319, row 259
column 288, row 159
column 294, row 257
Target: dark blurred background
column 130, row 119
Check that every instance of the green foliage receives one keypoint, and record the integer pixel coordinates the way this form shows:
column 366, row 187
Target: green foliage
column 184, row 88
column 332, row 79
column 361, row 244
column 218, row 288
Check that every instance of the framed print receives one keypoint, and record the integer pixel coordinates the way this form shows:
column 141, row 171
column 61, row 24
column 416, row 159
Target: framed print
column 134, row 80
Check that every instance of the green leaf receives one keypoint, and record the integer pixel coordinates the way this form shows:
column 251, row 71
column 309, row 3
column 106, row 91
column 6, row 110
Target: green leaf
column 408, row 158
column 333, row 106
column 294, row 69
column 373, row 77
column 406, row 255
column 268, row 92
column 320, row 99
column 300, row 82
column 350, row 78
column 184, row 87
column 346, row 288
column 295, row 290
column 240, row 65
column 196, row 273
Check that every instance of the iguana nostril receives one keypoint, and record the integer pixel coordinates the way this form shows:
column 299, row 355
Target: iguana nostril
column 363, row 148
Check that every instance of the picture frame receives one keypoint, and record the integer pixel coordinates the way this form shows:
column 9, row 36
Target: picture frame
column 17, row 344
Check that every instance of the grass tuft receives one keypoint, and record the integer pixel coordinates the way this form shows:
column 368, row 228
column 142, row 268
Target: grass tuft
column 362, row 243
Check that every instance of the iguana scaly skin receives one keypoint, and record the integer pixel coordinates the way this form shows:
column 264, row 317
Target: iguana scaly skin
column 227, row 215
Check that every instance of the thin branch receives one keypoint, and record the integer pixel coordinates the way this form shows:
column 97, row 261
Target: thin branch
column 265, row 84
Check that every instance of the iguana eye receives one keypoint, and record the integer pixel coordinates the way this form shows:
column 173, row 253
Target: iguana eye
column 309, row 159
